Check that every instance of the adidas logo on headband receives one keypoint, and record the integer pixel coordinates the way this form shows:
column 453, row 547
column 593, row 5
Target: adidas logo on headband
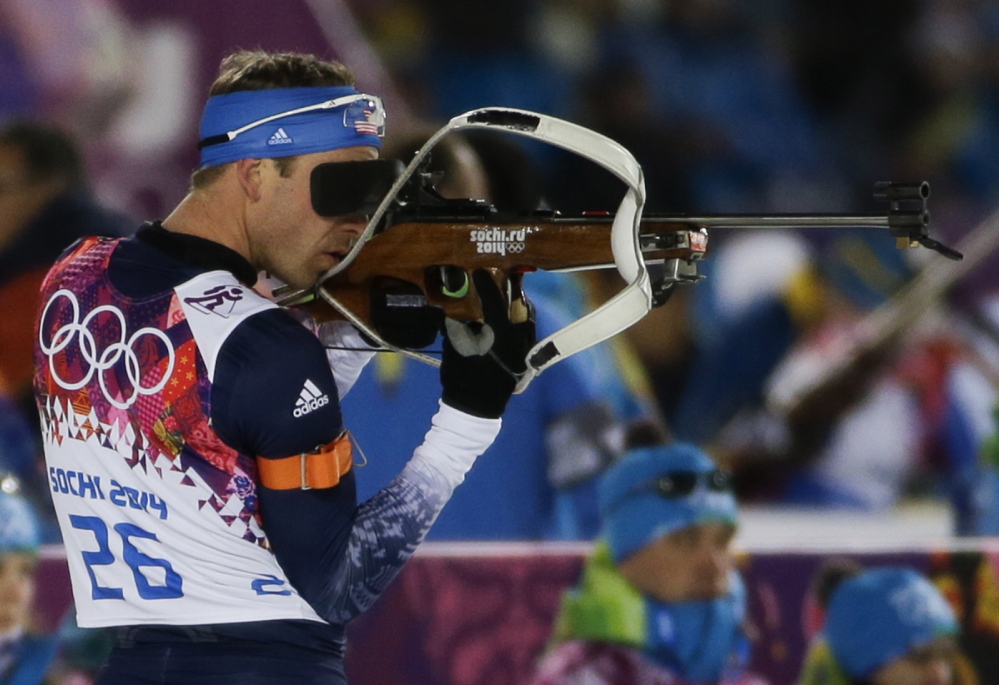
column 280, row 138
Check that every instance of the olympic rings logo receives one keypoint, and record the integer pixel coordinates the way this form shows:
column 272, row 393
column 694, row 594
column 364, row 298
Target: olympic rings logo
column 514, row 248
column 109, row 357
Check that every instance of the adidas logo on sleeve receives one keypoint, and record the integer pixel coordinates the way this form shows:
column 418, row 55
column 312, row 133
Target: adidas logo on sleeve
column 310, row 399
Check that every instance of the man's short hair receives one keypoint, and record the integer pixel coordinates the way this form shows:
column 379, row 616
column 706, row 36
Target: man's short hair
column 259, row 70
column 50, row 153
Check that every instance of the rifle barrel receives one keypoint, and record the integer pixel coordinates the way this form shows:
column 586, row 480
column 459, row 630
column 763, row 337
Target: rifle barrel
column 778, row 220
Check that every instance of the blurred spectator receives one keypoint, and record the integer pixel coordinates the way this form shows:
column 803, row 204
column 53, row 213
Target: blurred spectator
column 763, row 393
column 25, row 655
column 660, row 601
column 537, row 480
column 884, row 626
column 45, row 205
column 969, row 579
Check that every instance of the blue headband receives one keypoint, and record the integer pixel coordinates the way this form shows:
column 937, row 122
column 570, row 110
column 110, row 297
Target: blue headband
column 634, row 515
column 264, row 124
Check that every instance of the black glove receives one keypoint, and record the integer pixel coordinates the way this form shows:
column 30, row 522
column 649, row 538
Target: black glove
column 482, row 362
column 400, row 315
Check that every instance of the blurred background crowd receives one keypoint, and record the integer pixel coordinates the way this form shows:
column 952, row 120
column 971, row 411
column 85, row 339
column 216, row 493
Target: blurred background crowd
column 769, row 363
column 779, row 107
column 782, row 106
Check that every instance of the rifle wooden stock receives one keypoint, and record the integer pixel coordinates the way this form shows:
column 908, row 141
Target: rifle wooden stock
column 414, row 252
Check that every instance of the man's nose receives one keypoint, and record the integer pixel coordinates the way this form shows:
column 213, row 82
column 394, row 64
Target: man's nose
column 714, row 562
column 350, row 228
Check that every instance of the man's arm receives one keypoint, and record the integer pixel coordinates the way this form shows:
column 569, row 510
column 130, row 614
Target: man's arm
column 389, row 526
column 338, row 556
column 477, row 380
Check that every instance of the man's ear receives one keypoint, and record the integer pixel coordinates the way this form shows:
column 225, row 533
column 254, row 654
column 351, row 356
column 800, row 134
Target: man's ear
column 248, row 173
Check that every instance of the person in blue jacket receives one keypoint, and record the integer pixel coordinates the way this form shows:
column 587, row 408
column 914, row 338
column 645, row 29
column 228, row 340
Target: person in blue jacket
column 659, row 600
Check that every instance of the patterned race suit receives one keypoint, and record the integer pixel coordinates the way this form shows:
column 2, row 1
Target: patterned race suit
column 161, row 379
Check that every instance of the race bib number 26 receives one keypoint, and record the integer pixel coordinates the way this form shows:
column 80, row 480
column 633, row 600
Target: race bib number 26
column 162, row 582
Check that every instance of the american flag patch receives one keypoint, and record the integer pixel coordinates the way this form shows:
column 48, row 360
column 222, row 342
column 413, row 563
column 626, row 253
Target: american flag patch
column 366, row 126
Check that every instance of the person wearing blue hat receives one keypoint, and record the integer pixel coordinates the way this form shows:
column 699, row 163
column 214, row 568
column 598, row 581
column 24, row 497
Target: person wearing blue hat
column 25, row 653
column 659, row 600
column 196, row 453
column 886, row 626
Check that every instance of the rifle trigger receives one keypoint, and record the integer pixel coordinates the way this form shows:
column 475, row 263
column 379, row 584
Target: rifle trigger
column 454, row 281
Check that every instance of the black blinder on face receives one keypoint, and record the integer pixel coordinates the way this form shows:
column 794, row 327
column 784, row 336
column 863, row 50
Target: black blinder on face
column 352, row 188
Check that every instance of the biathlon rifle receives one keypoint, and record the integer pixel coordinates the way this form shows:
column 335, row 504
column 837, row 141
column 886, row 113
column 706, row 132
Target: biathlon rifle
column 419, row 248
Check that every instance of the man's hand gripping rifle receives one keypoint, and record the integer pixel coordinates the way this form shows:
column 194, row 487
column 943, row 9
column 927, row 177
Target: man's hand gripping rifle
column 419, row 249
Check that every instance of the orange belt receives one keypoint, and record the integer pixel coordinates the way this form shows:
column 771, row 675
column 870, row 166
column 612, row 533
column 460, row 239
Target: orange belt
column 321, row 468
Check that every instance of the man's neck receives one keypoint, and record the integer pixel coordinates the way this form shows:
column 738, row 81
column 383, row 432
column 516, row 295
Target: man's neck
column 210, row 215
